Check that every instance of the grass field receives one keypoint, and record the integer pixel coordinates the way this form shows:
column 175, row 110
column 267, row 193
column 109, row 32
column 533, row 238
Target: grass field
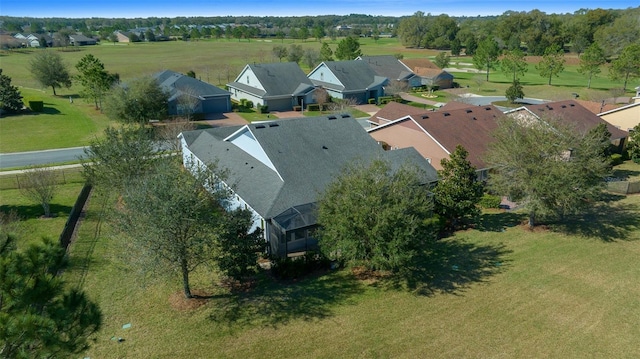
column 499, row 291
column 218, row 62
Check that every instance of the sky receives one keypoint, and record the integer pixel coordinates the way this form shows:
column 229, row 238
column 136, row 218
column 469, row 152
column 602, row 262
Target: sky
column 175, row 8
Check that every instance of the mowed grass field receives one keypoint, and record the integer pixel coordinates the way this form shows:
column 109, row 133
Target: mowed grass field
column 499, row 291
column 219, row 62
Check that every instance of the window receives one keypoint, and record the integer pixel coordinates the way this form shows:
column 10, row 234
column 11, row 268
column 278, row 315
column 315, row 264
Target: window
column 248, row 80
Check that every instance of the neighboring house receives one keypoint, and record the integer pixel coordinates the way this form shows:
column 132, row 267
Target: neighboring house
column 435, row 134
column 81, row 40
column 277, row 169
column 349, row 80
column 189, row 96
column 571, row 112
column 280, row 86
column 9, row 42
column 625, row 117
column 393, row 69
column 597, row 106
column 121, row 36
column 429, row 73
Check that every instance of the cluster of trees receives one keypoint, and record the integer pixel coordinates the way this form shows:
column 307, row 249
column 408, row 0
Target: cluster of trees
column 374, row 217
column 347, row 49
column 10, row 97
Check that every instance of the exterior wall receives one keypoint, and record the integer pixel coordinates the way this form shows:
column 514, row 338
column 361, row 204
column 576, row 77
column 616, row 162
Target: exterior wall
column 322, row 73
column 408, row 134
column 285, row 104
column 239, row 95
column 191, row 162
column 624, row 119
column 248, row 78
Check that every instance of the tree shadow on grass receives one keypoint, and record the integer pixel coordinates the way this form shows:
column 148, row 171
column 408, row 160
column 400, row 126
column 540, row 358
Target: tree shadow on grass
column 450, row 266
column 608, row 220
column 36, row 211
column 273, row 304
column 499, row 221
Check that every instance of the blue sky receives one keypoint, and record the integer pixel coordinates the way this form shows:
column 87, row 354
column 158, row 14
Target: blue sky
column 173, row 8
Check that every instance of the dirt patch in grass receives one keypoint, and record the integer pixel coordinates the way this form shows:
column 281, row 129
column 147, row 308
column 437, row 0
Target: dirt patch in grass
column 368, row 276
column 180, row 303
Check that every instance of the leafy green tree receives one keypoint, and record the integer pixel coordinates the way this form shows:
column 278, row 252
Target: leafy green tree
column 326, row 54
column 458, row 191
column 280, row 35
column 239, row 249
column 456, row 47
column 319, row 33
column 40, row 315
column 591, row 62
column 280, row 52
column 150, row 35
column 117, row 158
column 513, row 64
column 311, row 58
column 442, row 60
column 552, row 63
column 10, row 98
column 39, row 184
column 95, row 80
column 49, row 70
column 627, row 65
column 170, row 221
column 486, row 55
column 295, row 53
column 412, row 30
column 471, row 46
column 633, row 147
column 514, row 91
column 374, row 217
column 303, row 34
column 614, row 37
column 140, row 101
column 348, row 49
column 547, row 166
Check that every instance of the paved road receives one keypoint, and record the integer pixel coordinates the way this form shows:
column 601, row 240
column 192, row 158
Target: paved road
column 23, row 159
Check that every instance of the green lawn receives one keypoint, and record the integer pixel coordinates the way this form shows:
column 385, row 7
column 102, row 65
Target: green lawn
column 497, row 291
column 61, row 124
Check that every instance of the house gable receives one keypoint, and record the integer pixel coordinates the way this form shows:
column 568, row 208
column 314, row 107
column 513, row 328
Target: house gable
column 323, row 76
column 246, row 141
column 248, row 78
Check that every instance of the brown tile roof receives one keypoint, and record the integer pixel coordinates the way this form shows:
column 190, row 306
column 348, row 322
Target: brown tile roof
column 455, row 105
column 597, row 107
column 572, row 111
column 427, row 72
column 416, row 63
column 470, row 127
column 393, row 111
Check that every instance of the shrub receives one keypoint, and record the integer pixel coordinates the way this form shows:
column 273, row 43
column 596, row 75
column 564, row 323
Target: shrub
column 490, row 201
column 313, row 107
column 616, row 159
column 263, row 108
column 297, row 108
column 248, row 104
column 293, row 268
column 36, row 105
column 371, row 101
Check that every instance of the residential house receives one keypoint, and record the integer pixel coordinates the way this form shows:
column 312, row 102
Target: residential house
column 354, row 80
column 393, row 69
column 428, row 73
column 121, row 36
column 435, row 134
column 9, row 42
column 280, row 86
column 81, row 40
column 625, row 117
column 571, row 112
column 277, row 169
column 189, row 96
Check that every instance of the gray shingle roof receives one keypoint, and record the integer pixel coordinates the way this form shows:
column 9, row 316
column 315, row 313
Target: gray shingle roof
column 278, row 79
column 354, row 75
column 388, row 66
column 308, row 153
column 175, row 83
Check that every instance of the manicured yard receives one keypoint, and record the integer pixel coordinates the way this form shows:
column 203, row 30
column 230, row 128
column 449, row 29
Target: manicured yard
column 61, row 124
column 496, row 291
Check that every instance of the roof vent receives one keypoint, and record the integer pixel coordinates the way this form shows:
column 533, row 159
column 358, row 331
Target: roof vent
column 325, row 147
column 273, row 125
column 332, row 117
column 549, row 107
column 474, row 118
column 447, row 114
column 572, row 105
column 345, row 115
column 469, row 111
column 424, row 117
column 564, row 106
column 487, row 108
column 260, row 126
